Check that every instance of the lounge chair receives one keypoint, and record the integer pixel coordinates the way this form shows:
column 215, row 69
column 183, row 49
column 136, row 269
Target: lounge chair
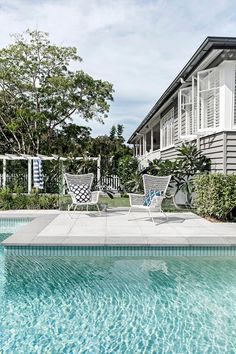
column 79, row 187
column 155, row 191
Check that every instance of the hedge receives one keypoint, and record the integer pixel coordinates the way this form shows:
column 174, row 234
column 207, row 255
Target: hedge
column 10, row 200
column 215, row 195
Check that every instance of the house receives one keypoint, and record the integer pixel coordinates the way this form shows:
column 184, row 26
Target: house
column 198, row 106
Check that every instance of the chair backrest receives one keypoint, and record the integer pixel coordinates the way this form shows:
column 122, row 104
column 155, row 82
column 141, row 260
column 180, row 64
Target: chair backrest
column 79, row 179
column 156, row 183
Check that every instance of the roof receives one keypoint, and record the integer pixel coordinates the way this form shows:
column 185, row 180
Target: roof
column 205, row 48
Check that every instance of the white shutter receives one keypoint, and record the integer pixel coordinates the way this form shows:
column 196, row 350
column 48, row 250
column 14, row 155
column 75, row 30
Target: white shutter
column 186, row 112
column 193, row 126
column 208, row 91
column 235, row 100
column 167, row 128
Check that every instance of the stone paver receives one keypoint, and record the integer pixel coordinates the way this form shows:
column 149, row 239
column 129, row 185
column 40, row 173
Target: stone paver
column 114, row 228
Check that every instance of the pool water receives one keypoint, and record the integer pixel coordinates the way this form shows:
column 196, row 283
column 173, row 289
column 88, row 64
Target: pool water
column 117, row 305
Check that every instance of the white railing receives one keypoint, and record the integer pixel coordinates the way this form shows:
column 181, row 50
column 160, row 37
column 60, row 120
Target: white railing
column 149, row 156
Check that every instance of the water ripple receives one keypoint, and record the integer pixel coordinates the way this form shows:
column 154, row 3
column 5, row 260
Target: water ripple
column 117, row 305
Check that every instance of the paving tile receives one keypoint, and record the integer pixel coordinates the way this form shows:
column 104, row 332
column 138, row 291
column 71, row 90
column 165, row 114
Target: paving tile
column 207, row 241
column 87, row 232
column 73, row 227
column 167, row 241
column 80, row 240
column 126, row 240
column 123, row 231
column 230, row 240
column 47, row 240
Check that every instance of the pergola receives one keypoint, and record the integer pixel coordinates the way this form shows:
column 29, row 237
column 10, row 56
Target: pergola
column 29, row 158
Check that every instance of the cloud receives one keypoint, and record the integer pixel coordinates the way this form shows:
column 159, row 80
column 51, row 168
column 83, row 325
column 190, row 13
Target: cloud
column 138, row 45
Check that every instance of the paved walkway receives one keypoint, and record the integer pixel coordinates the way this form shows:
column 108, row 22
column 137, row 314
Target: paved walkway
column 114, row 228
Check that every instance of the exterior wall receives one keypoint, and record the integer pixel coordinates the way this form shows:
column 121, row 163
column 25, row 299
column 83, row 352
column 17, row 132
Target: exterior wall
column 230, row 140
column 219, row 146
column 169, row 154
column 212, row 146
column 143, row 160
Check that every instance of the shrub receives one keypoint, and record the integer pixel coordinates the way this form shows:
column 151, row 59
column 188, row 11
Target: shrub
column 128, row 173
column 215, row 195
column 19, row 200
column 6, row 199
column 183, row 170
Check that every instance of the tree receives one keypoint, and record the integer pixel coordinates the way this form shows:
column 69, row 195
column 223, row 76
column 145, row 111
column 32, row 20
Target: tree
column 39, row 93
column 113, row 132
column 71, row 139
column 120, row 130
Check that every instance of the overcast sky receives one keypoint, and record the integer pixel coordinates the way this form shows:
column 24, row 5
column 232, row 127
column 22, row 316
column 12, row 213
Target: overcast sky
column 138, row 45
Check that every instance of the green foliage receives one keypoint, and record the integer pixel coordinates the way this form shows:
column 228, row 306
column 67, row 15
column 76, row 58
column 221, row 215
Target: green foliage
column 112, row 135
column 110, row 150
column 70, row 139
column 215, row 195
column 183, row 170
column 128, row 173
column 6, row 199
column 120, row 131
column 39, row 94
column 19, row 200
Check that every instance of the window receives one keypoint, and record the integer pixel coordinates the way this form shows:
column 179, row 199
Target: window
column 148, row 141
column 235, row 99
column 137, row 148
column 187, row 111
column 156, row 137
column 167, row 129
column 208, row 99
column 141, row 146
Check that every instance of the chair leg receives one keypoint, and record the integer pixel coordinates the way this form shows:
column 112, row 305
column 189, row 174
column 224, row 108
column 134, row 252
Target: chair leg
column 87, row 207
column 164, row 214
column 149, row 212
column 129, row 212
column 99, row 211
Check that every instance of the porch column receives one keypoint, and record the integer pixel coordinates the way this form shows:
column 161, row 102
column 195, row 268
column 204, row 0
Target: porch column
column 99, row 170
column 29, row 175
column 144, row 145
column 61, row 178
column 152, row 139
column 4, row 174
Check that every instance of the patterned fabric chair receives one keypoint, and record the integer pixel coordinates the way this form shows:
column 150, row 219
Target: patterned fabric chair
column 79, row 187
column 155, row 192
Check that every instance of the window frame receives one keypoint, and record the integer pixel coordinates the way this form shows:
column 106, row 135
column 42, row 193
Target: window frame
column 213, row 89
column 167, row 129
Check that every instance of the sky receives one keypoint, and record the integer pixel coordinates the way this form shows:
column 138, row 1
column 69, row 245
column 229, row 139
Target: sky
column 138, row 45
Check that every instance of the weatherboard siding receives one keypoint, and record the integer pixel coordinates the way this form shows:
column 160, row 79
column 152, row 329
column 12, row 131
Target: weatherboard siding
column 231, row 152
column 212, row 146
column 169, row 154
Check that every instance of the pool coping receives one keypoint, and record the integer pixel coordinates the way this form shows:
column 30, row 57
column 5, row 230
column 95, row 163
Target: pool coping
column 28, row 236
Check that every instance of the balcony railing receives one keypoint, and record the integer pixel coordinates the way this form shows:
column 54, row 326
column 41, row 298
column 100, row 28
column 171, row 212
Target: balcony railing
column 149, row 156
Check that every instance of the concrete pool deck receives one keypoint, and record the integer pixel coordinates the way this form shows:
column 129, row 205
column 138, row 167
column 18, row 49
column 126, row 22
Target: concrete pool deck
column 62, row 228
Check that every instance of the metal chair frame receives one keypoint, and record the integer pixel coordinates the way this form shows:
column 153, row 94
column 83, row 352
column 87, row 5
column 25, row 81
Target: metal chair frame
column 79, row 180
column 154, row 183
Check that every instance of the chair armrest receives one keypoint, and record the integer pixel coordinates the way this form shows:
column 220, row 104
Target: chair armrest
column 95, row 196
column 157, row 201
column 73, row 197
column 136, row 199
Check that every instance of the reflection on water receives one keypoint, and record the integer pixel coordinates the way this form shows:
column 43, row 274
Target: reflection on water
column 117, row 305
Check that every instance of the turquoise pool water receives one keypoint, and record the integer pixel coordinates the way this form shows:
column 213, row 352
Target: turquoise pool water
column 117, row 304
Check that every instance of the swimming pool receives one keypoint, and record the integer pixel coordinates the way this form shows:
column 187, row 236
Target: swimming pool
column 60, row 304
